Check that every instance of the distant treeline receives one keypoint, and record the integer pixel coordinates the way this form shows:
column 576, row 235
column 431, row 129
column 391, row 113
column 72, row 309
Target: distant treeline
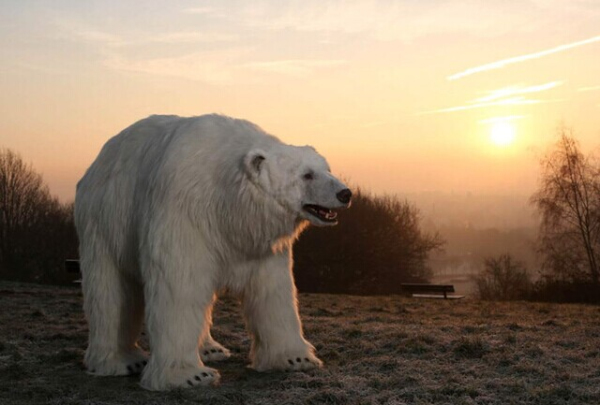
column 377, row 245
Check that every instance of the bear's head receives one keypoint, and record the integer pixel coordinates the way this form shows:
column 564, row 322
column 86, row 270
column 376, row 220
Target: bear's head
column 299, row 180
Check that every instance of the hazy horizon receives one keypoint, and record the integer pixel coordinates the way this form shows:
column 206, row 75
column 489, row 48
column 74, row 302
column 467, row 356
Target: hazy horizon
column 401, row 97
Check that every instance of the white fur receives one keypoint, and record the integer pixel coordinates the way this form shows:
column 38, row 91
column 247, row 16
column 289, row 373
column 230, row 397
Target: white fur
column 172, row 211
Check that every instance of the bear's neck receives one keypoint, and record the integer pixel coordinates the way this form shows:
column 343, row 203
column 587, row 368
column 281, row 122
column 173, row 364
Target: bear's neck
column 254, row 224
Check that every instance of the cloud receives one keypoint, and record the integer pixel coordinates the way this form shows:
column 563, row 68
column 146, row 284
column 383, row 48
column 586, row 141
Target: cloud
column 215, row 68
column 117, row 52
column 518, row 59
column 504, row 102
column 100, row 37
column 502, row 119
column 589, row 88
column 198, row 10
column 293, row 67
column 190, row 37
column 516, row 90
column 74, row 31
column 378, row 19
column 400, row 20
column 511, row 95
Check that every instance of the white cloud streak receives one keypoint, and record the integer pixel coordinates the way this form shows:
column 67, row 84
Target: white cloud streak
column 589, row 88
column 512, row 95
column 516, row 90
column 505, row 102
column 502, row 119
column 518, row 59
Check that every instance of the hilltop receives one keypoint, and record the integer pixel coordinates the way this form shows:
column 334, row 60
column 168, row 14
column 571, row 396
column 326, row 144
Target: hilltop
column 377, row 350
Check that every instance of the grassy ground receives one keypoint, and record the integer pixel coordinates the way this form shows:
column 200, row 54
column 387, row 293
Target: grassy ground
column 377, row 350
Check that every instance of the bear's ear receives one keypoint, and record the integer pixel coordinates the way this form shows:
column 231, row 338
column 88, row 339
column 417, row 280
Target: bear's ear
column 253, row 162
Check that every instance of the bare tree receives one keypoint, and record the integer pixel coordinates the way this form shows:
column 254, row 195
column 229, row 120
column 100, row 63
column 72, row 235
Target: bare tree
column 568, row 201
column 21, row 190
column 36, row 230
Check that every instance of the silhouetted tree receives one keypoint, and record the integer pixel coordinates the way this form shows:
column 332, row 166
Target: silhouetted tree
column 568, row 201
column 36, row 230
column 377, row 245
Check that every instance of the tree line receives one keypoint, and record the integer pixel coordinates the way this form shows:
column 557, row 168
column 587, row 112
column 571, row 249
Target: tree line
column 377, row 245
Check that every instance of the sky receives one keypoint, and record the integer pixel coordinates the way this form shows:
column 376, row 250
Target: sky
column 407, row 96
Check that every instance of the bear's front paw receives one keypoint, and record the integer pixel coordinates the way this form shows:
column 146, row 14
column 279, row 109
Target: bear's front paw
column 204, row 376
column 303, row 363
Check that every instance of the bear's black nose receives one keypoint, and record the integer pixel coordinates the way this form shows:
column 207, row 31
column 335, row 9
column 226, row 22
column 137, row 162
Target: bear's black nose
column 344, row 196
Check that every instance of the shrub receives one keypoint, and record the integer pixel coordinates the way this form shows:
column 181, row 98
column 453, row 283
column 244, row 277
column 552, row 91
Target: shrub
column 503, row 279
column 377, row 245
column 553, row 290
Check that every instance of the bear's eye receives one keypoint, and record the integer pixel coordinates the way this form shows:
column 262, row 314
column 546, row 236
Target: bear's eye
column 308, row 176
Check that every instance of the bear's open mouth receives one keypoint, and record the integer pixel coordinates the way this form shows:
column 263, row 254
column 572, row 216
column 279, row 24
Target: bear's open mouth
column 322, row 213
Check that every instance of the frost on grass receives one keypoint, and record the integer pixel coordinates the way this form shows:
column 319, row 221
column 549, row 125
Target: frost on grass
column 377, row 350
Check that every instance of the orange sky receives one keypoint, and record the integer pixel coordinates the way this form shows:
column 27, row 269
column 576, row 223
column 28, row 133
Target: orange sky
column 400, row 96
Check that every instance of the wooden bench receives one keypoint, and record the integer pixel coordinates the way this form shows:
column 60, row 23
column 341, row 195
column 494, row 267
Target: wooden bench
column 72, row 266
column 430, row 290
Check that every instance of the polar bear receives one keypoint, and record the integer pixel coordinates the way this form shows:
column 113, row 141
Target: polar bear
column 174, row 210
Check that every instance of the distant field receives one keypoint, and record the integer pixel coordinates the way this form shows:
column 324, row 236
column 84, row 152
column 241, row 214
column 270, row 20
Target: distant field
column 377, row 350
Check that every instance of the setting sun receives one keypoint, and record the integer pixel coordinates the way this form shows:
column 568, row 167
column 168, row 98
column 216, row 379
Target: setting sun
column 502, row 133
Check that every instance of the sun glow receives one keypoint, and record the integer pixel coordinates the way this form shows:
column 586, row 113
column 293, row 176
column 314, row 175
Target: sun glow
column 502, row 133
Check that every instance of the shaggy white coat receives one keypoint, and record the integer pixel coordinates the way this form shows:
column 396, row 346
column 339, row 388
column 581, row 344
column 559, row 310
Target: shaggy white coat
column 174, row 210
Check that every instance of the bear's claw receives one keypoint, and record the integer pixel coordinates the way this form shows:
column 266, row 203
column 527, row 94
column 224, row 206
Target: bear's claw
column 299, row 361
column 136, row 368
column 119, row 363
column 203, row 378
column 303, row 364
column 214, row 353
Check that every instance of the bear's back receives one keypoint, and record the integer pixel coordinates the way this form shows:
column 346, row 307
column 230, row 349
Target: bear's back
column 160, row 140
column 158, row 158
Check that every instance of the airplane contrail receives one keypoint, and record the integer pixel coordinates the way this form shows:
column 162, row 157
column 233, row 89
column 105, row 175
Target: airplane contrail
column 502, row 63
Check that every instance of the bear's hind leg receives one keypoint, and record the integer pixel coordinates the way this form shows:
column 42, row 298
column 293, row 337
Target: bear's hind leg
column 114, row 307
